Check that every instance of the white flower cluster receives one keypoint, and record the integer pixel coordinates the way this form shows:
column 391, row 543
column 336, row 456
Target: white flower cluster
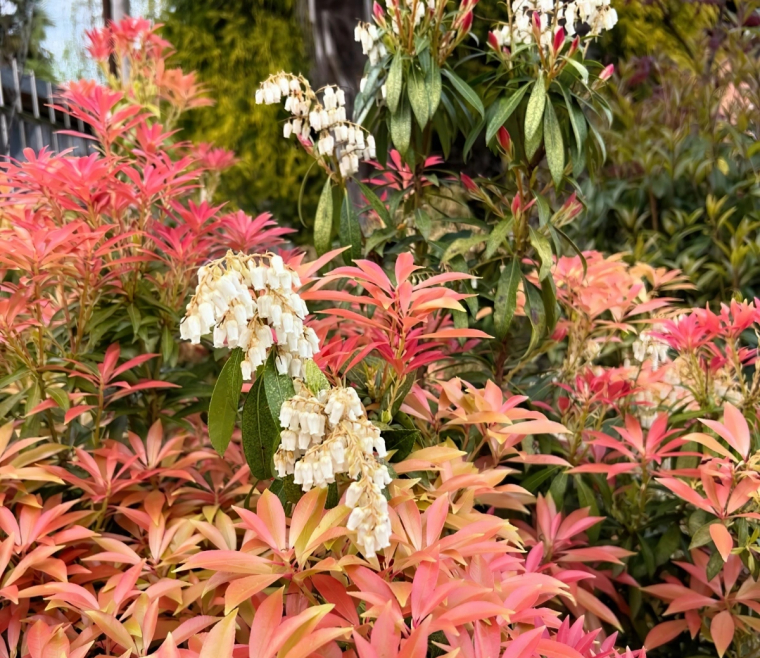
column 420, row 7
column 327, row 434
column 371, row 39
column 322, row 124
column 647, row 346
column 596, row 15
column 251, row 302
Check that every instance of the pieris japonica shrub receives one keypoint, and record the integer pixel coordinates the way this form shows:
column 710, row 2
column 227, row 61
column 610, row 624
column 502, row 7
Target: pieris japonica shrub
column 470, row 438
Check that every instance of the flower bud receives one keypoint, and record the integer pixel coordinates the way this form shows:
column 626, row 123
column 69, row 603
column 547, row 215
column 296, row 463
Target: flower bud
column 493, row 41
column 505, row 141
column 378, row 13
column 607, row 72
column 469, row 183
column 466, row 22
column 516, row 204
column 559, row 39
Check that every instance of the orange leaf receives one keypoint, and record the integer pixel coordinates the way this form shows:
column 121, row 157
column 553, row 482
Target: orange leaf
column 722, row 630
column 722, row 538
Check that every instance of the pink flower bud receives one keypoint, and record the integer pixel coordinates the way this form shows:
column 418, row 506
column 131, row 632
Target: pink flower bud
column 469, row 183
column 536, row 20
column 607, row 72
column 505, row 141
column 379, row 13
column 493, row 41
column 466, row 23
column 516, row 204
column 559, row 39
column 574, row 46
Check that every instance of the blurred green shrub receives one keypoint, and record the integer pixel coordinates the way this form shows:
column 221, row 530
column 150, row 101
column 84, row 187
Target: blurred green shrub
column 234, row 45
column 680, row 184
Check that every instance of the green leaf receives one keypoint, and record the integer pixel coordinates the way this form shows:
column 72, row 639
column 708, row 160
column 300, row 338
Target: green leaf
column 332, row 496
column 223, row 408
column 377, row 205
column 558, row 488
column 504, row 109
column 505, row 301
column 668, row 544
column 60, row 396
column 714, row 565
column 534, row 114
column 472, row 138
column 395, row 83
column 434, row 86
column 534, row 309
column 577, row 120
column 532, row 145
column 401, row 127
column 497, row 236
column 278, row 388
column 400, row 440
column 549, row 298
column 315, row 379
column 259, row 431
column 555, row 148
column 134, row 317
column 418, row 97
column 647, row 554
column 534, row 481
column 350, row 231
column 401, row 394
column 461, row 246
column 167, row 344
column 572, row 244
column 544, row 250
column 423, row 223
column 582, row 70
column 702, row 536
column 10, row 402
column 465, row 91
column 324, row 220
column 586, row 498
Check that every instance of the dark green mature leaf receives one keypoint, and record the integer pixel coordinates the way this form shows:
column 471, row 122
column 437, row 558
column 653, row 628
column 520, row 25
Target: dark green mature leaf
column 323, row 220
column 259, row 431
column 497, row 236
column 377, row 205
column 714, row 565
column 261, row 426
column 505, row 301
column 278, row 388
column 315, row 379
column 465, row 91
column 647, row 554
column 418, row 97
column 534, row 480
column 61, row 397
column 549, row 297
column 504, row 109
column 350, row 231
column 544, row 250
column 702, row 536
column 534, row 113
column 472, row 138
column 401, row 393
column 400, row 440
column 461, row 246
column 586, row 498
column 577, row 120
column 223, row 408
column 534, row 309
column 401, row 127
column 395, row 83
column 555, row 148
column 668, row 544
column 434, row 85
column 423, row 223
column 557, row 489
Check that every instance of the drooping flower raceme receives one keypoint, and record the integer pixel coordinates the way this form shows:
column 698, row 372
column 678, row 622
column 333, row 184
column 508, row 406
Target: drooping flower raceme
column 251, row 302
column 319, row 124
column 585, row 17
column 327, row 434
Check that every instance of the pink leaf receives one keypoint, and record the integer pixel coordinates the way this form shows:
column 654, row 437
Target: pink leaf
column 722, row 630
column 722, row 538
column 664, row 633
